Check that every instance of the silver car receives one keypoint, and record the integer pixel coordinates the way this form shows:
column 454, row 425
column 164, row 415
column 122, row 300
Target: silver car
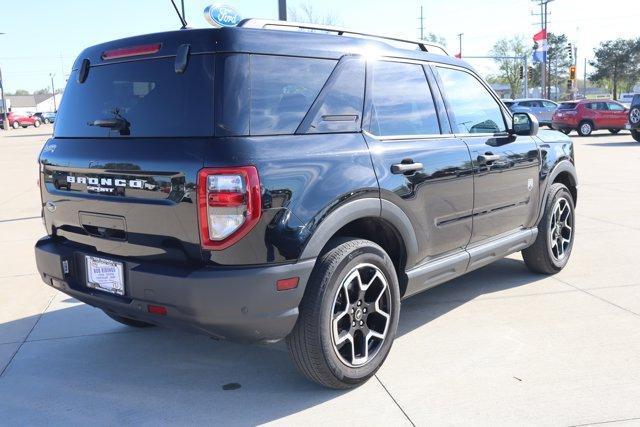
column 541, row 108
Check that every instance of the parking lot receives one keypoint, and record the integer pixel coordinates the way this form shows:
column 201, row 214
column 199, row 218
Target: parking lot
column 498, row 346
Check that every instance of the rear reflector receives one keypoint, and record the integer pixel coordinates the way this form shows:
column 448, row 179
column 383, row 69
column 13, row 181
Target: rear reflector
column 287, row 284
column 125, row 52
column 157, row 309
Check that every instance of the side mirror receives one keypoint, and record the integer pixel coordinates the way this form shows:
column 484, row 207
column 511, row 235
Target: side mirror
column 525, row 124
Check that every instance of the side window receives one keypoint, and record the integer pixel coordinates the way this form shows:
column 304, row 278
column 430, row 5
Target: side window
column 549, row 104
column 615, row 107
column 341, row 100
column 474, row 109
column 282, row 90
column 401, row 101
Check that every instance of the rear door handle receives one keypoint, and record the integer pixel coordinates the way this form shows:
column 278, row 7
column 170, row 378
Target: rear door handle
column 488, row 158
column 401, row 168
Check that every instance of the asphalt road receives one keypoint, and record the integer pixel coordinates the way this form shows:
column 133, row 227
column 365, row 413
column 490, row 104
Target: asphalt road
column 498, row 346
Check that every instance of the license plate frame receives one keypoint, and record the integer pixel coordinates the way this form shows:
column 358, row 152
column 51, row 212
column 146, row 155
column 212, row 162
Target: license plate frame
column 105, row 275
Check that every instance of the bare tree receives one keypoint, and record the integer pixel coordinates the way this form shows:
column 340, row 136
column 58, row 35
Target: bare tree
column 305, row 12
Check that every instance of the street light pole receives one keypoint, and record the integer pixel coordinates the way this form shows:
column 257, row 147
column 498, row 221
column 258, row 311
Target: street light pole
column 282, row 10
column 5, row 121
column 53, row 89
column 460, row 41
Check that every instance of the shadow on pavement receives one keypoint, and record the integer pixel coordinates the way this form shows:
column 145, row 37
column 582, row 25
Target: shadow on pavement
column 114, row 374
column 630, row 143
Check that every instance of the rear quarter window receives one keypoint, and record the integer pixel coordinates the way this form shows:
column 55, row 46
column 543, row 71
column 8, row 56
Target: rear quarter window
column 567, row 106
column 266, row 94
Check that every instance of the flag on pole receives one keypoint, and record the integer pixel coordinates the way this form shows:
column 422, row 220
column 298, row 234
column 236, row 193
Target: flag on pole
column 540, row 54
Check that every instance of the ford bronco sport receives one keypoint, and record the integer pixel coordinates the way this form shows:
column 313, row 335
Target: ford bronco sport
column 255, row 184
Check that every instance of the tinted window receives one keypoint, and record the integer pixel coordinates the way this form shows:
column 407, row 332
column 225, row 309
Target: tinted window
column 615, row 107
column 148, row 94
column 567, row 106
column 341, row 102
column 549, row 104
column 401, row 101
column 474, row 109
column 282, row 90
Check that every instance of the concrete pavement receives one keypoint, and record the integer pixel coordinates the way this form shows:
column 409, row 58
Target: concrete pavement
column 499, row 346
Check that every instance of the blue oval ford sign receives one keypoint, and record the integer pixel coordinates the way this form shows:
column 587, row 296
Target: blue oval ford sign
column 222, row 15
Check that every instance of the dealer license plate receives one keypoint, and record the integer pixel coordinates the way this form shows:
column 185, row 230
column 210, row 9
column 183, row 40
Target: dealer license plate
column 105, row 275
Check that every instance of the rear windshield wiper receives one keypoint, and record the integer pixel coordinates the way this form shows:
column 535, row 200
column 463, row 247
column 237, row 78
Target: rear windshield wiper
column 118, row 124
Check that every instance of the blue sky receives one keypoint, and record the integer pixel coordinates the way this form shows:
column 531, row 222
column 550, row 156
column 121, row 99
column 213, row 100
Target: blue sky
column 46, row 36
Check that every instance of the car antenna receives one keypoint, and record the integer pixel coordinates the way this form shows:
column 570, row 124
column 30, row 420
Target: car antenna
column 182, row 20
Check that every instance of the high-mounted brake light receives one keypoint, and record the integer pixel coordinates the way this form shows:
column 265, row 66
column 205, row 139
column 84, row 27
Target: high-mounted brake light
column 229, row 205
column 125, row 52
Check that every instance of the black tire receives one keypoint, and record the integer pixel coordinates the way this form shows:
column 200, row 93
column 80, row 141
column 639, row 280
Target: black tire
column 565, row 131
column 311, row 343
column 614, row 131
column 46, row 121
column 635, row 133
column 15, row 125
column 585, row 128
column 129, row 322
column 36, row 124
column 540, row 257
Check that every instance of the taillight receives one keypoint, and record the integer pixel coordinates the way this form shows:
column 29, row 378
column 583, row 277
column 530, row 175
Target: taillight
column 229, row 205
column 126, row 52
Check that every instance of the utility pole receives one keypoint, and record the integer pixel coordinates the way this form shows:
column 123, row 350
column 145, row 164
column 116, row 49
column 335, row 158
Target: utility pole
column 585, row 78
column 5, row 122
column 282, row 10
column 53, row 89
column 525, row 95
column 421, row 23
column 543, row 27
column 460, row 39
column 183, row 15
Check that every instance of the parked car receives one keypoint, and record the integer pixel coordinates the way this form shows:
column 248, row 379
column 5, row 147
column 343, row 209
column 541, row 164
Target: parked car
column 586, row 115
column 634, row 117
column 46, row 118
column 315, row 188
column 543, row 109
column 16, row 120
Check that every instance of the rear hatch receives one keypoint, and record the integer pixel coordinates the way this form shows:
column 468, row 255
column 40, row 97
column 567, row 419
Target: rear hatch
column 119, row 175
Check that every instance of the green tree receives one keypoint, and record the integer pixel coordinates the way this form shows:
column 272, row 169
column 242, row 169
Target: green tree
column 20, row 92
column 616, row 64
column 44, row 91
column 434, row 38
column 509, row 54
column 305, row 12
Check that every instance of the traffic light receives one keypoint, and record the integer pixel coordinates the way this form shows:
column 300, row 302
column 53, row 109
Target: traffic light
column 572, row 72
column 521, row 72
column 530, row 73
column 569, row 85
column 570, row 49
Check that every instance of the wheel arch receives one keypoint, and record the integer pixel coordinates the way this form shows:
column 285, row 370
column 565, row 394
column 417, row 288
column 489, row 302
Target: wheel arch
column 377, row 220
column 564, row 172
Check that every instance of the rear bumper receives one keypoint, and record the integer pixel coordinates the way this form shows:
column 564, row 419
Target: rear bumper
column 240, row 304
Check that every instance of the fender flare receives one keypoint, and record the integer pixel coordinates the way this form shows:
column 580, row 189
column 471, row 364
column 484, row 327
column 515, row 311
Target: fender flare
column 357, row 209
column 560, row 167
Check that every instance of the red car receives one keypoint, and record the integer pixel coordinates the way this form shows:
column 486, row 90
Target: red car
column 17, row 120
column 586, row 115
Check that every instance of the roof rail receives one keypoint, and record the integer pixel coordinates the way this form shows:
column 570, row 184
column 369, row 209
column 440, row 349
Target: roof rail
column 273, row 24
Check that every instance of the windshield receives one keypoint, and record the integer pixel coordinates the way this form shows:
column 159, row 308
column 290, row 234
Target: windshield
column 148, row 95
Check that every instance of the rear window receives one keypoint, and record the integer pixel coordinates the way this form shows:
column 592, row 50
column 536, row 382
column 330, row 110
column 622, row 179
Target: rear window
column 567, row 106
column 148, row 94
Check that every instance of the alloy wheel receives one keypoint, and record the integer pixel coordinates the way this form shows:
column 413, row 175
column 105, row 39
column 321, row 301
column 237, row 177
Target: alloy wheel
column 361, row 315
column 560, row 229
column 634, row 116
column 585, row 128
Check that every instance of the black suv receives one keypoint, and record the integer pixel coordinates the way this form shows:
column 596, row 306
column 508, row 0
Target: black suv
column 256, row 184
column 634, row 117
